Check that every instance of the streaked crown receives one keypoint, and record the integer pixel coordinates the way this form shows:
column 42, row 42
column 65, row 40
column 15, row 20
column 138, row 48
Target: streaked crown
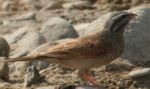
column 118, row 21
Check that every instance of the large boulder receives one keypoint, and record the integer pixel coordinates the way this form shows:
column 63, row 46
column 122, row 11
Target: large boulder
column 57, row 28
column 137, row 37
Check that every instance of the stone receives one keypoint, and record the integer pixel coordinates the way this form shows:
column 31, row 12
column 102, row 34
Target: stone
column 48, row 87
column 139, row 73
column 78, row 4
column 52, row 5
column 121, row 84
column 46, row 2
column 4, row 48
column 18, row 69
column 18, row 35
column 32, row 76
column 137, row 37
column 30, row 4
column 4, row 70
column 81, row 28
column 21, row 54
column 8, row 5
column 57, row 28
column 25, row 16
column 31, row 40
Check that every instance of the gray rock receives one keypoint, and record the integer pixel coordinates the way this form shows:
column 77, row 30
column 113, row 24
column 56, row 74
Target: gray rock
column 31, row 40
column 4, row 70
column 139, row 73
column 21, row 54
column 48, row 87
column 8, row 5
column 18, row 35
column 78, row 4
column 137, row 37
column 32, row 76
column 4, row 48
column 46, row 2
column 121, row 84
column 81, row 28
column 52, row 5
column 25, row 16
column 57, row 28
column 31, row 4
column 18, row 69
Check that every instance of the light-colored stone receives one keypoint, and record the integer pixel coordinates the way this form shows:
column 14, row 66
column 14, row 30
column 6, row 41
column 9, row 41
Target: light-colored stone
column 48, row 87
column 31, row 40
column 21, row 54
column 81, row 28
column 25, row 16
column 52, row 5
column 57, row 28
column 32, row 76
column 8, row 5
column 18, row 35
column 78, row 4
column 139, row 73
column 30, row 4
column 18, row 69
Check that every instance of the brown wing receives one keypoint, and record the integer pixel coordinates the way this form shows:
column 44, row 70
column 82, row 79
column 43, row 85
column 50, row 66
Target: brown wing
column 77, row 48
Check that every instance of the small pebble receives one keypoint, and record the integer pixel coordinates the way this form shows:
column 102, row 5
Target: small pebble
column 121, row 84
column 139, row 73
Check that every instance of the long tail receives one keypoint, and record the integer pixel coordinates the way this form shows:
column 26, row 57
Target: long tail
column 27, row 58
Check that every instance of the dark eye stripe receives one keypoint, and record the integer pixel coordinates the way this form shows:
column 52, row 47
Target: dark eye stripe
column 115, row 20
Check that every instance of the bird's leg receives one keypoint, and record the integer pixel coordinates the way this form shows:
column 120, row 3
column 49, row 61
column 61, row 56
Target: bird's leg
column 85, row 74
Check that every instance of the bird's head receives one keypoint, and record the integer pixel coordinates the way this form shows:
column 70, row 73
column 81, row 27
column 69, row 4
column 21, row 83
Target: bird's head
column 118, row 21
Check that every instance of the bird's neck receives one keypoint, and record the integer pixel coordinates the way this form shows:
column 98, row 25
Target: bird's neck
column 110, row 35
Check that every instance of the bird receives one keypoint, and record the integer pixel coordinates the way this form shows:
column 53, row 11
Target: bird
column 88, row 51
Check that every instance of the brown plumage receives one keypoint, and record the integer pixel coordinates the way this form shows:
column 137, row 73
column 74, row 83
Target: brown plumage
column 88, row 51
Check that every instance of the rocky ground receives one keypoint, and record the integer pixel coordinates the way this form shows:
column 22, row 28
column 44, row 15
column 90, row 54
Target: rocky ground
column 32, row 26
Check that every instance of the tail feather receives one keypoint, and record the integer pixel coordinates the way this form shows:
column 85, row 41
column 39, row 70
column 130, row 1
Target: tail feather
column 27, row 58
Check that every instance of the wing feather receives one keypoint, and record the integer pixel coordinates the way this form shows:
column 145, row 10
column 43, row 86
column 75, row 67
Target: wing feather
column 77, row 48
